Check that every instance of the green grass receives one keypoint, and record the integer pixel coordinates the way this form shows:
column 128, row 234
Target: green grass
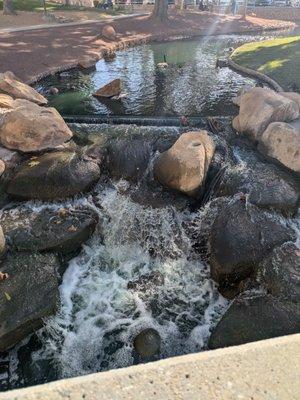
column 32, row 5
column 278, row 58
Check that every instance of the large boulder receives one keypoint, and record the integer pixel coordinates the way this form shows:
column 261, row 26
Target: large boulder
column 292, row 96
column 109, row 32
column 251, row 318
column 6, row 101
column 185, row 165
column 53, row 176
column 281, row 141
column 113, row 88
column 259, row 107
column 62, row 230
column 28, row 295
column 267, row 185
column 280, row 272
column 31, row 128
column 241, row 236
column 128, row 158
column 147, row 343
column 19, row 90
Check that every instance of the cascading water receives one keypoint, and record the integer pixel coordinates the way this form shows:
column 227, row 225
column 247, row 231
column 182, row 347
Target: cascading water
column 100, row 316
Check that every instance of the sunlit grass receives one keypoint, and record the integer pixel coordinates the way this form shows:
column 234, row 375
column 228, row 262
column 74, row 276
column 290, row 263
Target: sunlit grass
column 279, row 58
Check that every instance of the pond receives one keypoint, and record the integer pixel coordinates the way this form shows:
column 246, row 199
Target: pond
column 191, row 85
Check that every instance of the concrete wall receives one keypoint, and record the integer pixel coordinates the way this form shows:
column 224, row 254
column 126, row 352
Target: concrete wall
column 266, row 370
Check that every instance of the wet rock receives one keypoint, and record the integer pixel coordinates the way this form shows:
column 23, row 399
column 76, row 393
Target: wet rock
column 147, row 343
column 29, row 295
column 113, row 88
column 241, row 236
column 53, row 90
column 147, row 282
column 87, row 64
column 281, row 141
column 251, row 318
column 280, row 272
column 109, row 56
column 128, row 158
column 2, row 241
column 53, row 176
column 30, row 128
column 19, row 90
column 184, row 166
column 108, row 32
column 62, row 230
column 267, row 185
column 259, row 107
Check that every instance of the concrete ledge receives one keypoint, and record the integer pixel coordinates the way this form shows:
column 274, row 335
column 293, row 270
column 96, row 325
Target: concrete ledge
column 268, row 370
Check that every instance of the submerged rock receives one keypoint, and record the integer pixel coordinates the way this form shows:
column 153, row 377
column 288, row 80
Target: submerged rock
column 281, row 141
column 251, row 318
column 113, row 88
column 147, row 282
column 147, row 343
column 62, row 230
column 184, row 166
column 267, row 185
column 31, row 128
column 27, row 296
column 280, row 272
column 55, row 175
column 259, row 107
column 19, row 90
column 241, row 236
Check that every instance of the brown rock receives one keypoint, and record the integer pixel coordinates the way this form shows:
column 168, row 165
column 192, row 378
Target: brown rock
column 6, row 101
column 259, row 107
column 2, row 241
column 292, row 96
column 2, row 167
column 281, row 141
column 184, row 166
column 112, row 89
column 19, row 90
column 108, row 32
column 31, row 128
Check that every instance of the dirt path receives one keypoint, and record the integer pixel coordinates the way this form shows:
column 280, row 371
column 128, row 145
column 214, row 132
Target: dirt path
column 42, row 51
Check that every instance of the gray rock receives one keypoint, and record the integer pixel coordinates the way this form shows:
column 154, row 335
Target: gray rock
column 53, row 175
column 241, row 236
column 147, row 343
column 27, row 296
column 280, row 272
column 62, row 230
column 251, row 318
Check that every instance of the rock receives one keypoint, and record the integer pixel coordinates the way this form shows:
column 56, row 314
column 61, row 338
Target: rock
column 9, row 157
column 6, row 101
column 128, row 158
column 109, row 32
column 63, row 230
column 89, row 63
column 52, row 176
column 184, row 166
column 292, row 96
column 2, row 167
column 259, row 107
column 27, row 296
column 2, row 241
column 252, row 318
column 280, row 272
column 19, row 90
column 113, row 88
column 241, row 236
column 147, row 343
column 109, row 56
column 30, row 128
column 281, row 141
column 267, row 185
column 53, row 90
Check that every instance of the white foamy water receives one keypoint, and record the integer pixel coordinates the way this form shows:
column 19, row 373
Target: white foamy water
column 99, row 316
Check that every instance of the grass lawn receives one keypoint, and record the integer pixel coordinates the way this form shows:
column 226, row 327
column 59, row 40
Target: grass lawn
column 32, row 5
column 278, row 58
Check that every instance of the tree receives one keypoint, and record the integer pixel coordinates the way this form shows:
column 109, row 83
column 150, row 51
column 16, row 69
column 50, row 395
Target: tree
column 44, row 6
column 160, row 11
column 8, row 8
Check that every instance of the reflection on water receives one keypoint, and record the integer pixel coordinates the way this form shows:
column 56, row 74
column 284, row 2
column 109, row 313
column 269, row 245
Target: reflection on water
column 191, row 85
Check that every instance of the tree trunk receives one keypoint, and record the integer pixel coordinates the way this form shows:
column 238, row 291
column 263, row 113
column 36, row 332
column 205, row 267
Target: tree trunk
column 44, row 6
column 8, row 8
column 245, row 8
column 160, row 11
